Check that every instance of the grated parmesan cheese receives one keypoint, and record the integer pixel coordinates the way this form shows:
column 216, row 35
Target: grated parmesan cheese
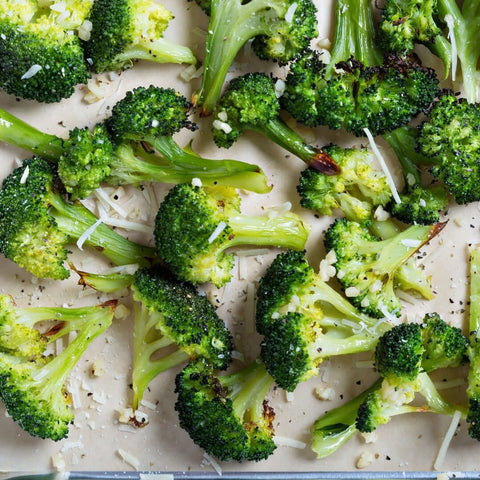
column 365, row 459
column 219, row 125
column 127, row 457
column 290, row 13
column 32, row 71
column 211, row 461
column 25, row 174
column 215, row 234
column 451, row 36
column 442, row 452
column 411, row 242
column 87, row 233
column 288, row 442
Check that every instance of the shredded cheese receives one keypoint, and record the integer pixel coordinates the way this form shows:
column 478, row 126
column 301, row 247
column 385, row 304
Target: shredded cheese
column 442, row 452
column 290, row 13
column 215, row 234
column 451, row 35
column 25, row 174
column 288, row 442
column 32, row 71
column 87, row 233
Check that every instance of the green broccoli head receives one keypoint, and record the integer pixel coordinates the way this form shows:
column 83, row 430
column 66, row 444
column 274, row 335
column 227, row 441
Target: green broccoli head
column 286, row 37
column 450, row 138
column 86, row 162
column 40, row 60
column 357, row 190
column 194, row 227
column 305, row 321
column 126, row 30
column 228, row 415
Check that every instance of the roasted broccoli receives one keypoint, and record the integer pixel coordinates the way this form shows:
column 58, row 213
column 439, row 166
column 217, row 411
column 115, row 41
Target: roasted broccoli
column 33, row 389
column 172, row 313
column 449, row 29
column 228, row 416
column 37, row 222
column 357, row 190
column 279, row 29
column 419, row 203
column 250, row 102
column 195, row 226
column 304, row 321
column 358, row 88
column 366, row 266
column 127, row 30
column 40, row 54
column 89, row 157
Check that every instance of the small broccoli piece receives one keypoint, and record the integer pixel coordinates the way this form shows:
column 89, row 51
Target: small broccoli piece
column 195, row 226
column 227, row 415
column 126, row 30
column 107, row 282
column 250, row 102
column 439, row 25
column 357, row 190
column 419, row 204
column 40, row 58
column 169, row 312
column 304, row 321
column 88, row 158
column 279, row 29
column 473, row 389
column 34, row 392
column 366, row 266
column 359, row 88
column 36, row 224
column 449, row 139
column 399, row 358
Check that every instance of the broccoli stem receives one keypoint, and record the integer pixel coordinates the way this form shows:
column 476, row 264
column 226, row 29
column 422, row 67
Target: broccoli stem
column 281, row 134
column 326, row 345
column 16, row 132
column 107, row 283
column 184, row 166
column 160, row 51
column 144, row 347
column 232, row 24
column 74, row 219
column 474, row 319
column 281, row 231
column 337, row 426
column 354, row 34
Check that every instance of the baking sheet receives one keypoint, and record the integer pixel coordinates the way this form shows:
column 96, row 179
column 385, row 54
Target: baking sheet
column 408, row 443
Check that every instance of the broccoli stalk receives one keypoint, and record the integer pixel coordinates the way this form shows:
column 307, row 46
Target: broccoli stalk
column 172, row 313
column 419, row 204
column 280, row 30
column 304, row 321
column 250, row 103
column 227, row 415
column 366, row 266
column 125, row 30
column 37, row 223
column 34, row 392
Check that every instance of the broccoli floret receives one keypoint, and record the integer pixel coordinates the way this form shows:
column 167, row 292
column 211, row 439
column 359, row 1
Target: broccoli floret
column 250, row 102
column 127, row 30
column 419, row 204
column 449, row 139
column 172, row 313
column 34, row 391
column 279, row 29
column 88, row 158
column 40, row 57
column 359, row 88
column 399, row 358
column 195, row 226
column 366, row 266
column 304, row 321
column 227, row 415
column 357, row 190
column 37, row 222
column 437, row 24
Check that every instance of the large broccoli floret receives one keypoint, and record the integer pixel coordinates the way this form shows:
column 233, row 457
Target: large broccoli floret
column 152, row 115
column 304, row 321
column 357, row 190
column 37, row 222
column 40, row 55
column 419, row 203
column 358, row 88
column 366, row 266
column 196, row 225
column 445, row 27
column 280, row 29
column 250, row 102
column 34, row 391
column 450, row 141
column 172, row 313
column 227, row 415
column 127, row 30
